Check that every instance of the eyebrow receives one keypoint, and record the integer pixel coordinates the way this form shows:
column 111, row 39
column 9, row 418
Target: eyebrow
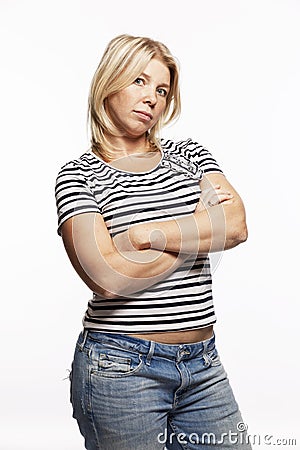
column 159, row 84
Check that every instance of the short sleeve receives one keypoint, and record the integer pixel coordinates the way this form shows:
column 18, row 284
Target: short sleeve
column 73, row 194
column 202, row 157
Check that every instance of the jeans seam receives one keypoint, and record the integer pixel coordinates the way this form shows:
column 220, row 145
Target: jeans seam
column 174, row 428
column 90, row 408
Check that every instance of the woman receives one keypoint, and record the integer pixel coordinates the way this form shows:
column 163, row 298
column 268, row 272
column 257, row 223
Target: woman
column 138, row 216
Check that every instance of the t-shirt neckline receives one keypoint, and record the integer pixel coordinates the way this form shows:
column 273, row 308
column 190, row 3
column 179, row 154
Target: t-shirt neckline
column 128, row 171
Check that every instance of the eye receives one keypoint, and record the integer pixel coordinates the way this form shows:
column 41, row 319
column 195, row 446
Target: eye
column 162, row 92
column 139, row 81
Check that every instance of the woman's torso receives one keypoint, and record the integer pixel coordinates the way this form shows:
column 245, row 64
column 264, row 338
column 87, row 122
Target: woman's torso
column 179, row 308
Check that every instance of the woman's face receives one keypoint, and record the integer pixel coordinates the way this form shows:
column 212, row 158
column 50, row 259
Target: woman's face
column 137, row 108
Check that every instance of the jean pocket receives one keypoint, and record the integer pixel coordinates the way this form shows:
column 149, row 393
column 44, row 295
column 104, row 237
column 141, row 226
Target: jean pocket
column 111, row 363
column 117, row 363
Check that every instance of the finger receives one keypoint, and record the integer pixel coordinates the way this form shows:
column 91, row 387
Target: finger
column 221, row 198
column 224, row 194
column 220, row 190
column 217, row 199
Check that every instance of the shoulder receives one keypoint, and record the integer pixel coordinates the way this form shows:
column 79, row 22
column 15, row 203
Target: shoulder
column 186, row 145
column 79, row 167
column 188, row 148
column 191, row 150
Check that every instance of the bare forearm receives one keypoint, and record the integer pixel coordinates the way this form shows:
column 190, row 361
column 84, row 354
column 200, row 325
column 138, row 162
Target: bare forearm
column 116, row 274
column 104, row 266
column 218, row 228
column 131, row 272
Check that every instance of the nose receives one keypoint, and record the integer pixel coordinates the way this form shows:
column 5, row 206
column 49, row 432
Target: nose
column 150, row 96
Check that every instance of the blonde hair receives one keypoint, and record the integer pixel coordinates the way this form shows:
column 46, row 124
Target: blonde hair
column 123, row 61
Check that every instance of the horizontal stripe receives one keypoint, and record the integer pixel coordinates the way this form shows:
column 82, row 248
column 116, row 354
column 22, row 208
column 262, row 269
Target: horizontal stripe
column 141, row 304
column 161, row 321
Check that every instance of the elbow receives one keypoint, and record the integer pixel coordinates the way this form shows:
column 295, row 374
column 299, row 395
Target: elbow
column 112, row 288
column 102, row 287
column 106, row 280
column 237, row 234
column 241, row 234
column 109, row 295
column 104, row 293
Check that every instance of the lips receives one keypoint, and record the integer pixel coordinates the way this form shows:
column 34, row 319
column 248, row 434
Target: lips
column 144, row 115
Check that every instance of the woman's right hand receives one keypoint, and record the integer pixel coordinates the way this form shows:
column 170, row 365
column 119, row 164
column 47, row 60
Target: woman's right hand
column 213, row 196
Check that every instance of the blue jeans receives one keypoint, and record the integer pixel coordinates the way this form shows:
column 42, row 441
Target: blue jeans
column 134, row 394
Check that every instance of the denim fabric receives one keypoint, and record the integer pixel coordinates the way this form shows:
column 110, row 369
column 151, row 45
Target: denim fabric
column 134, row 394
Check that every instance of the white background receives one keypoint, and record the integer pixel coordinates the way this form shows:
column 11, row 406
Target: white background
column 240, row 75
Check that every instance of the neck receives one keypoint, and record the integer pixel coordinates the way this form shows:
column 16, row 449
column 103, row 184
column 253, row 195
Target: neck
column 124, row 146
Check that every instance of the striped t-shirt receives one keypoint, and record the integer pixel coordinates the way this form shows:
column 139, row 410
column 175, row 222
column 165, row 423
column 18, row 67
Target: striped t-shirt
column 181, row 301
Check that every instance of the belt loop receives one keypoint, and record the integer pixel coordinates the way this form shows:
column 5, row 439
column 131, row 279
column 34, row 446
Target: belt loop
column 205, row 345
column 85, row 334
column 150, row 353
column 206, row 358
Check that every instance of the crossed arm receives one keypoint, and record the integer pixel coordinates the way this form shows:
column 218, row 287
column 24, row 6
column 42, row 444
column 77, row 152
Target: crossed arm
column 208, row 229
column 148, row 253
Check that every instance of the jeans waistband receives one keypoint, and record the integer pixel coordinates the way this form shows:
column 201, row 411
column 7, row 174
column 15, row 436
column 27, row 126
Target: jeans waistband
column 148, row 347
